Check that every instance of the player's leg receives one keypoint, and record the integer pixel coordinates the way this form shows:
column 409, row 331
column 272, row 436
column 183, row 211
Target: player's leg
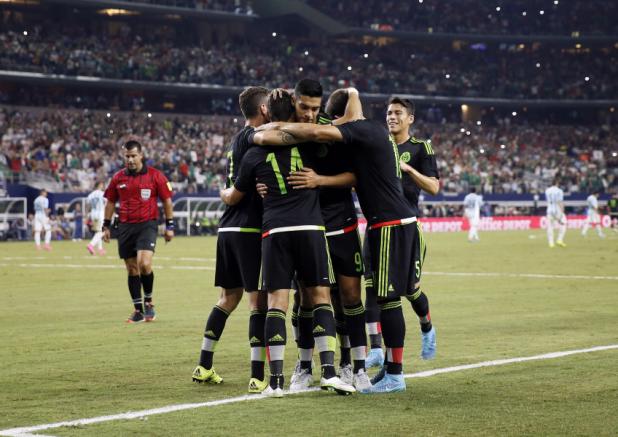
column 276, row 336
column 586, row 225
column 598, row 225
column 295, row 311
column 97, row 238
column 48, row 234
column 562, row 228
column 145, row 246
column 258, row 307
column 550, row 231
column 372, row 312
column 419, row 300
column 343, row 337
column 135, row 290
column 215, row 324
column 38, row 227
column 302, row 377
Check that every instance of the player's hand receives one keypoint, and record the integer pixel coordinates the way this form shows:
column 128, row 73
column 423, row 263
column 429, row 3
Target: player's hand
column 106, row 235
column 278, row 93
column 168, row 236
column 262, row 189
column 405, row 167
column 274, row 125
column 305, row 178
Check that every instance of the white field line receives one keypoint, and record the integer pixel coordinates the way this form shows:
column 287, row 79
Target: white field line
column 15, row 432
column 189, row 267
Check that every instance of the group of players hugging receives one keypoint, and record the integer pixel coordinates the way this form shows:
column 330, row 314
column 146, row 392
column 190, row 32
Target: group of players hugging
column 291, row 224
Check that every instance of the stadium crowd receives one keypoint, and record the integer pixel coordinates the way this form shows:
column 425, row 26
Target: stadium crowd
column 235, row 6
column 76, row 148
column 166, row 55
column 519, row 17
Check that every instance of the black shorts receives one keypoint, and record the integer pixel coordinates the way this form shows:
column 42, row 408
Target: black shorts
column 300, row 252
column 239, row 257
column 136, row 236
column 346, row 253
column 397, row 254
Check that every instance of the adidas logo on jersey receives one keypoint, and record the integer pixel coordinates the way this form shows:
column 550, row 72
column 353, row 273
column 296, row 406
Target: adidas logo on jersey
column 253, row 340
column 319, row 330
column 276, row 337
column 390, row 288
column 209, row 333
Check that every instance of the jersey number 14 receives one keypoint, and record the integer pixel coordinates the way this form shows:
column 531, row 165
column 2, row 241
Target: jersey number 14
column 296, row 163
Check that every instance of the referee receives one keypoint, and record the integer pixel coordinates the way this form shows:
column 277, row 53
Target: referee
column 137, row 188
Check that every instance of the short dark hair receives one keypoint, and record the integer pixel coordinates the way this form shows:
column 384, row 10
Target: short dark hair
column 473, row 189
column 309, row 88
column 250, row 100
column 280, row 108
column 406, row 103
column 335, row 106
column 132, row 144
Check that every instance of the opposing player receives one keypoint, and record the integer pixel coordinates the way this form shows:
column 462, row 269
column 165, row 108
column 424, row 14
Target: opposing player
column 293, row 240
column 392, row 224
column 41, row 221
column 239, row 256
column 96, row 202
column 593, row 218
column 555, row 214
column 472, row 211
column 137, row 188
column 612, row 209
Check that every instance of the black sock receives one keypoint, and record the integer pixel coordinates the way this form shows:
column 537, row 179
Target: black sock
column 324, row 332
column 372, row 315
column 147, row 282
column 257, row 321
column 135, row 289
column 355, row 320
column 212, row 333
column 342, row 333
column 276, row 337
column 420, row 305
column 394, row 332
column 305, row 335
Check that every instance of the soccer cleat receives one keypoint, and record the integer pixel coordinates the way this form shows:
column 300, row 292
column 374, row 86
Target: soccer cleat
column 136, row 317
column 337, row 385
column 301, row 381
column 273, row 392
column 428, row 345
column 149, row 313
column 201, row 374
column 375, row 358
column 47, row 247
column 346, row 375
column 551, row 245
column 361, row 381
column 378, row 376
column 90, row 249
column 560, row 244
column 389, row 384
column 256, row 386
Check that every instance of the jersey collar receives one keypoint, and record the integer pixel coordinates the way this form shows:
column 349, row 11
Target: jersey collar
column 144, row 170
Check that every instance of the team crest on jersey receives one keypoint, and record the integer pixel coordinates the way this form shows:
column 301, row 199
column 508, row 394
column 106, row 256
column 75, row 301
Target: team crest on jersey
column 146, row 193
column 405, row 157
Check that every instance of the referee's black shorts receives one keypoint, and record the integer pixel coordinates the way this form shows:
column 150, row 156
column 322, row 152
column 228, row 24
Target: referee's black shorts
column 239, row 256
column 303, row 252
column 136, row 236
column 396, row 255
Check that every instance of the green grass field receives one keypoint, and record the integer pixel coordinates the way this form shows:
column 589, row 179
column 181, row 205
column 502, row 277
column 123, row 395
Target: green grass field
column 67, row 353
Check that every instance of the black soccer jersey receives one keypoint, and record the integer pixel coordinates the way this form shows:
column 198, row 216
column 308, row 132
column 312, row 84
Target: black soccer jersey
column 376, row 165
column 248, row 212
column 283, row 205
column 337, row 204
column 419, row 155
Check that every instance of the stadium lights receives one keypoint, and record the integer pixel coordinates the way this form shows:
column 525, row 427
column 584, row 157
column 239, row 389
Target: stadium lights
column 524, row 13
column 538, row 65
column 497, row 8
column 300, row 68
column 420, row 1
column 349, row 68
column 306, row 52
column 614, row 154
column 468, row 132
column 448, row 76
column 514, row 114
column 366, row 55
column 541, row 12
column 464, row 107
column 274, row 34
column 482, row 150
column 25, row 33
column 149, row 115
column 111, row 132
column 111, row 12
column 578, row 46
column 108, row 115
column 462, row 130
column 586, row 78
column 556, row 2
column 478, row 123
column 502, row 146
column 235, row 120
column 612, row 109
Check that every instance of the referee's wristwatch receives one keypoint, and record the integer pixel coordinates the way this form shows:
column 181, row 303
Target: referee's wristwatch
column 169, row 224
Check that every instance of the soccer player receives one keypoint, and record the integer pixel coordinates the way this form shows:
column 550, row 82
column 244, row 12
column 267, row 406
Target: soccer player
column 41, row 220
column 593, row 217
column 293, row 240
column 472, row 211
column 612, row 208
column 555, row 214
column 392, row 224
column 419, row 172
column 335, row 180
column 96, row 203
column 137, row 188
column 239, row 255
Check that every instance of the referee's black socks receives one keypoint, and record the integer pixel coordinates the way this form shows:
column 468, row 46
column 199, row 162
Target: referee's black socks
column 135, row 289
column 147, row 284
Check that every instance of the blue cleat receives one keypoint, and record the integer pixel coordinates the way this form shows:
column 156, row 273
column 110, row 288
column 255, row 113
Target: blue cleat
column 428, row 347
column 375, row 358
column 389, row 384
column 378, row 376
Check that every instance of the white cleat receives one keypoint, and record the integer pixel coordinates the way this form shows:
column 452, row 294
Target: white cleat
column 346, row 375
column 301, row 381
column 273, row 392
column 336, row 384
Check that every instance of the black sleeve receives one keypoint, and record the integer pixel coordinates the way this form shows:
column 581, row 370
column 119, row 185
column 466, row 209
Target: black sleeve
column 245, row 181
column 348, row 132
column 429, row 167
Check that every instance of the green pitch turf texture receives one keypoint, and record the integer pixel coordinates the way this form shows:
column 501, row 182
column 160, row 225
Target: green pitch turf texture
column 67, row 353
